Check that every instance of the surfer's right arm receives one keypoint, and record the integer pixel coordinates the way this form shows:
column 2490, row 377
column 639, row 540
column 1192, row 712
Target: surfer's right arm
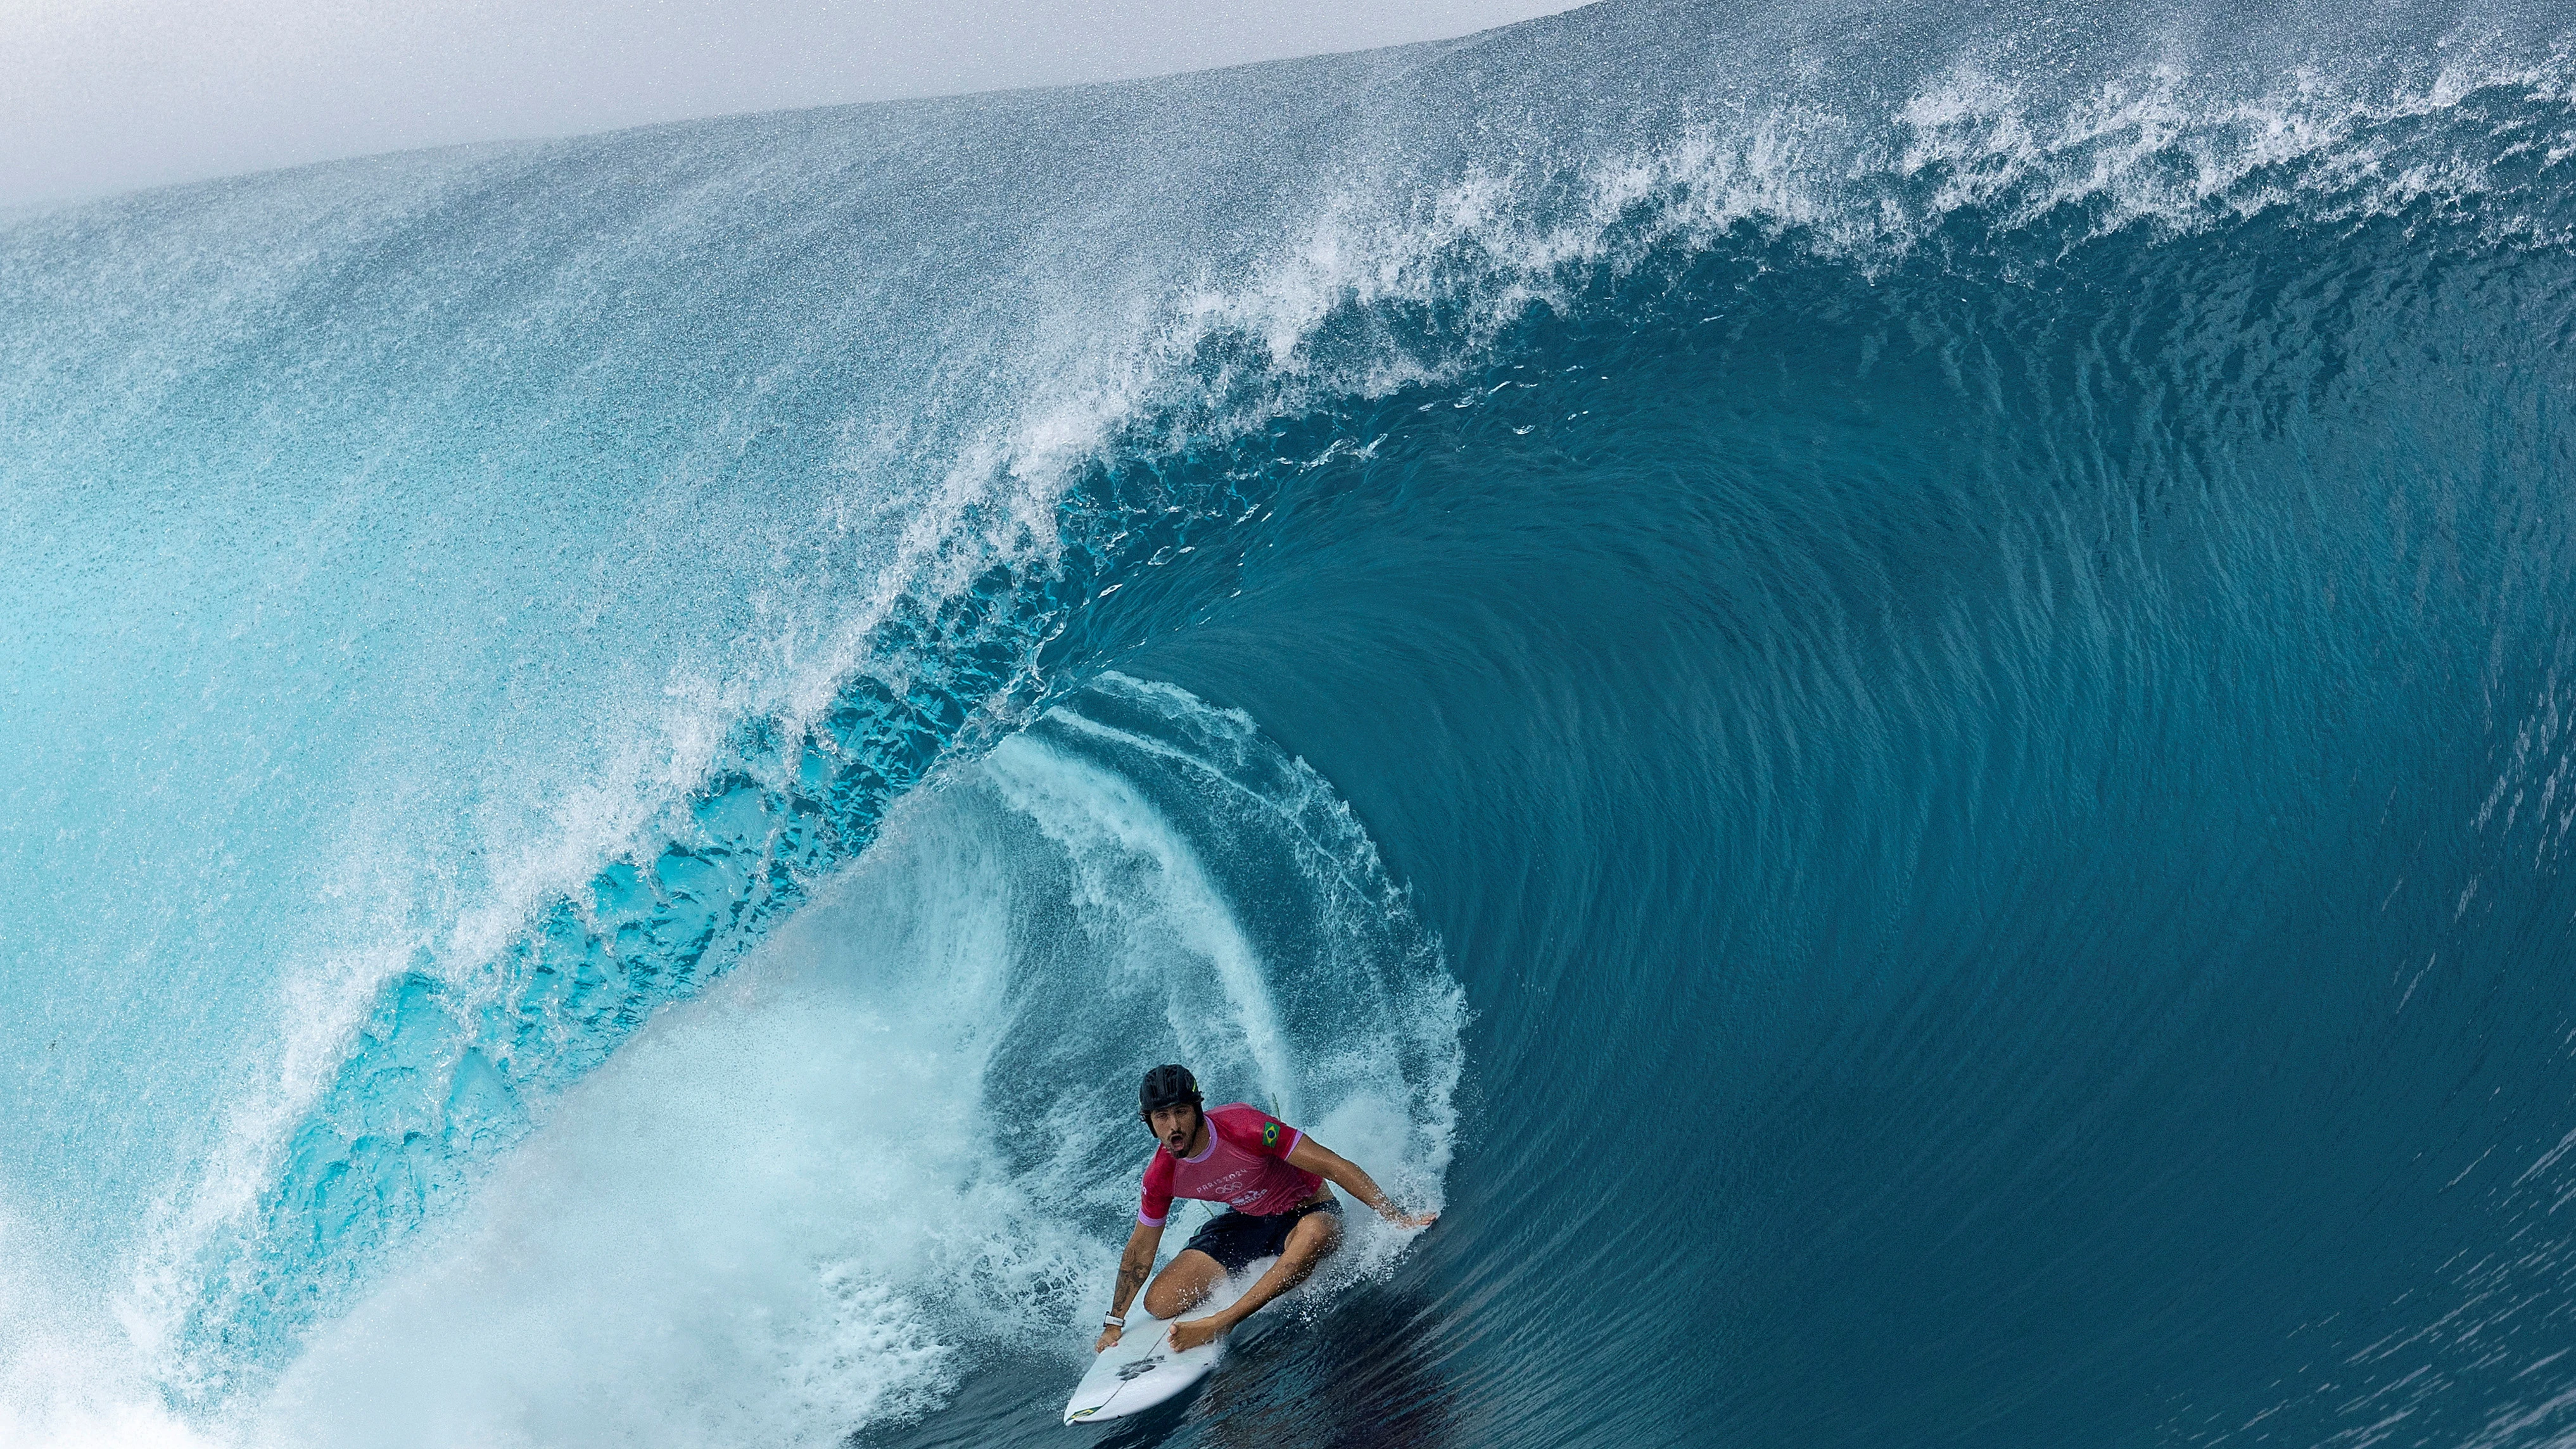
column 1134, row 1267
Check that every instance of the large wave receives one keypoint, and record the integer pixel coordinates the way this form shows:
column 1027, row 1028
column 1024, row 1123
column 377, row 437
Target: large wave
column 1952, row 618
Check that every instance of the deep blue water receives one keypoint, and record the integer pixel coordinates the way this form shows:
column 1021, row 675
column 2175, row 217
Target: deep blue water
column 1881, row 691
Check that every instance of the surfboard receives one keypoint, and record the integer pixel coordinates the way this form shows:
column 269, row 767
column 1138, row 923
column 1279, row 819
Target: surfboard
column 1141, row 1370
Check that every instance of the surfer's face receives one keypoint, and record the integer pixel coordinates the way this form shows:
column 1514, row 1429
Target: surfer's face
column 1175, row 1126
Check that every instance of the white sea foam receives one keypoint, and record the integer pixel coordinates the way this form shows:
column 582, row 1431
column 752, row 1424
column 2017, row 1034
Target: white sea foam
column 68, row 1377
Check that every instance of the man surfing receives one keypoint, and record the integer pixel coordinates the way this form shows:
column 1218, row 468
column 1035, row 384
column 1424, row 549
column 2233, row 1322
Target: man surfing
column 1271, row 1177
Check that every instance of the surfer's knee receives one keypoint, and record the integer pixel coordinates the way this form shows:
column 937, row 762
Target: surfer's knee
column 1166, row 1299
column 1176, row 1290
column 1318, row 1235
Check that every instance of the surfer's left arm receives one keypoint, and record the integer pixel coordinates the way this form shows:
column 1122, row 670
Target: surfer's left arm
column 1313, row 1156
column 1135, row 1265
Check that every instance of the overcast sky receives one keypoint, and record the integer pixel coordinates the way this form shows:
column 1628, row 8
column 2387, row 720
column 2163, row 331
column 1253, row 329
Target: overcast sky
column 104, row 96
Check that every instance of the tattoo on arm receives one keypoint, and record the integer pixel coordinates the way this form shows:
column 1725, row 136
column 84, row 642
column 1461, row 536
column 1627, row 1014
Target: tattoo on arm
column 1131, row 1276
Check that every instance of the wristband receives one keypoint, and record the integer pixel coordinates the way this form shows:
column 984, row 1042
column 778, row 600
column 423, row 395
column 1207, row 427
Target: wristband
column 1114, row 1320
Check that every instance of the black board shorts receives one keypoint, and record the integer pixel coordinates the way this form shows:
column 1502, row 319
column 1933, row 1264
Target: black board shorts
column 1235, row 1239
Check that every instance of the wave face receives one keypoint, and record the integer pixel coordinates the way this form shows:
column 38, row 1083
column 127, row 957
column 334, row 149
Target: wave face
column 1888, row 692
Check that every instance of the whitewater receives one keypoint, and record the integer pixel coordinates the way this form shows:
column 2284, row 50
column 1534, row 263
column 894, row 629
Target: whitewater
column 1887, row 693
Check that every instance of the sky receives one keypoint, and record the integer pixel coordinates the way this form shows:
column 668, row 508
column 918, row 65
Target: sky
column 106, row 96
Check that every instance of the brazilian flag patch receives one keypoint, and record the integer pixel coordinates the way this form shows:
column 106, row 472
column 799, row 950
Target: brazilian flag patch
column 1269, row 1134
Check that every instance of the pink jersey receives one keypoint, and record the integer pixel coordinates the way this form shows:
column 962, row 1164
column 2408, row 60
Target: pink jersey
column 1242, row 1166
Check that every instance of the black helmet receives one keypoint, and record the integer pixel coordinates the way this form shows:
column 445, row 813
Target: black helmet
column 1166, row 1087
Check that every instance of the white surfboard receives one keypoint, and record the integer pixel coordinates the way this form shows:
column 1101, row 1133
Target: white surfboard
column 1141, row 1370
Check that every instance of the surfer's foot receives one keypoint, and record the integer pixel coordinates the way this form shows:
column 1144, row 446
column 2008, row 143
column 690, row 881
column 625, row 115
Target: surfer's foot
column 1190, row 1333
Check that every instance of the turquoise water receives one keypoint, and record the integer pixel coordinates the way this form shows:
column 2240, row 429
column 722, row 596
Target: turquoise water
column 1881, row 692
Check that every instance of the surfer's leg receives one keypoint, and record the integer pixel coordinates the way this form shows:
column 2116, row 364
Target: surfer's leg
column 1179, row 1287
column 1310, row 1242
column 1314, row 1238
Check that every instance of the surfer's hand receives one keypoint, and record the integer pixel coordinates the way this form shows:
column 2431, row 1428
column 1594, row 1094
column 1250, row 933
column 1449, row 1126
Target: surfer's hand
column 1411, row 1220
column 1108, row 1339
column 1189, row 1335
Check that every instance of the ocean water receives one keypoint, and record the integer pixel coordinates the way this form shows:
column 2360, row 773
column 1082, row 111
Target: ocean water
column 1888, row 692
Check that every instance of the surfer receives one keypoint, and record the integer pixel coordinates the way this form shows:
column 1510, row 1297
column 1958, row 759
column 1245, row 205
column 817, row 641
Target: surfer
column 1271, row 1177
